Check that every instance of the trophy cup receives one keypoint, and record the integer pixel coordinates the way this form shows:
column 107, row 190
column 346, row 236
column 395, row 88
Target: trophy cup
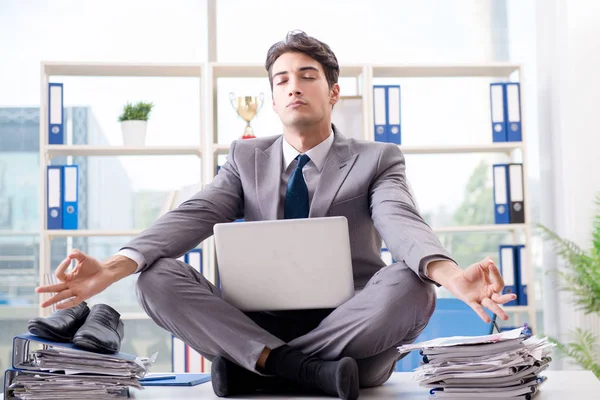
column 247, row 107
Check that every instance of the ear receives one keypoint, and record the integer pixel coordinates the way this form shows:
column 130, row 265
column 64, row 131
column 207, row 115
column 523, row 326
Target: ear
column 334, row 94
column 274, row 108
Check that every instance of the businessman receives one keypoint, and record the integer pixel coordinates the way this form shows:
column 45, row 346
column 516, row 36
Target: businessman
column 311, row 170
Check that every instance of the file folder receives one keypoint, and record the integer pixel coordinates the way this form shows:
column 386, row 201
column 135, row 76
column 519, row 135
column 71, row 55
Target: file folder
column 178, row 355
column 183, row 379
column 194, row 258
column 522, row 275
column 507, row 270
column 497, row 108
column 513, row 111
column 380, row 113
column 184, row 358
column 54, row 196
column 25, row 344
column 70, row 196
column 11, row 373
column 56, row 131
column 393, row 114
column 517, row 199
column 194, row 360
column 501, row 195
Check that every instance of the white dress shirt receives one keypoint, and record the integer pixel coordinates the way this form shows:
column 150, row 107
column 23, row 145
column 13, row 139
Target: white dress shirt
column 311, row 172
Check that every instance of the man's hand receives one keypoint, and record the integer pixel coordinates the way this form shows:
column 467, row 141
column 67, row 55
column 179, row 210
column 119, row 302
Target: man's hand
column 88, row 278
column 474, row 285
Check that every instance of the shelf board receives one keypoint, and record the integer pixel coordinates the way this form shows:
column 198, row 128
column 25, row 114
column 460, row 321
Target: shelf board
column 88, row 232
column 444, row 71
column 122, row 69
column 233, row 70
column 89, row 150
column 505, row 147
column 220, row 149
column 479, row 228
column 8, row 232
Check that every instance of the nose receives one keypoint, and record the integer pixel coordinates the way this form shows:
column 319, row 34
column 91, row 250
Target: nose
column 294, row 88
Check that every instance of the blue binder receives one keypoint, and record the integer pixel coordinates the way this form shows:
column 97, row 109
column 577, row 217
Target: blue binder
column 54, row 196
column 194, row 258
column 507, row 270
column 70, row 196
column 498, row 112
column 56, row 131
column 522, row 274
column 512, row 92
column 394, row 134
column 380, row 112
column 501, row 194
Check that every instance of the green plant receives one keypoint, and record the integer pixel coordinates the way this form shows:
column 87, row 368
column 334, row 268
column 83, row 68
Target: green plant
column 138, row 111
column 582, row 279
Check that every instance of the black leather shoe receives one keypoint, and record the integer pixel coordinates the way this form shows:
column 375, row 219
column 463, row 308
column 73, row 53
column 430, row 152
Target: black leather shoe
column 102, row 332
column 230, row 379
column 62, row 325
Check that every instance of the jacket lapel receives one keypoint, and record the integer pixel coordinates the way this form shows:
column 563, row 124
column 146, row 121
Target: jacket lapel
column 338, row 163
column 268, row 178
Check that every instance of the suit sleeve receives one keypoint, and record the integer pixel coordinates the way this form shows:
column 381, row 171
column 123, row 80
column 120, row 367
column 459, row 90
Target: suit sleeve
column 407, row 236
column 179, row 230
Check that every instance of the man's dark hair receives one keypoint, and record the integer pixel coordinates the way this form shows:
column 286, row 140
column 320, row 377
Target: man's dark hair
column 300, row 42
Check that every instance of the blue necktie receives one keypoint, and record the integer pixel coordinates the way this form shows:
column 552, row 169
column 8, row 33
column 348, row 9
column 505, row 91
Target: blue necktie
column 296, row 196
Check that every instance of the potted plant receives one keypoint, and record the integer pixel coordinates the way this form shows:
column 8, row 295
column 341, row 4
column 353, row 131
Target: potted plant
column 582, row 279
column 134, row 121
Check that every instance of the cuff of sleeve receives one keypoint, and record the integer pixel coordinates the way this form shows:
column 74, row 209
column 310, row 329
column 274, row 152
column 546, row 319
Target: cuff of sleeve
column 135, row 256
column 426, row 261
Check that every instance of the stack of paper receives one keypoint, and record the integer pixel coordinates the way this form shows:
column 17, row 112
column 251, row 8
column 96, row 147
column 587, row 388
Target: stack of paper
column 48, row 370
column 503, row 365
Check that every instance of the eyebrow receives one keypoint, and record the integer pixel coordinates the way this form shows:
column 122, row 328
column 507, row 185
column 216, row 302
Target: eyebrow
column 308, row 68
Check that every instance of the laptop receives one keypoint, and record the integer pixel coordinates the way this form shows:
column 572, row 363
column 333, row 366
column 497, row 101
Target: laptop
column 292, row 264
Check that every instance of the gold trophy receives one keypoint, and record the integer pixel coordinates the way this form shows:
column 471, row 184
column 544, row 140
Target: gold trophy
column 247, row 107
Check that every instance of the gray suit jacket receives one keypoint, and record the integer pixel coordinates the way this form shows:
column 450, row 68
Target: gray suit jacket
column 361, row 180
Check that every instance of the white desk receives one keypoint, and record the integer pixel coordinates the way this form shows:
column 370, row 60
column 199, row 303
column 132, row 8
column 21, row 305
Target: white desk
column 561, row 385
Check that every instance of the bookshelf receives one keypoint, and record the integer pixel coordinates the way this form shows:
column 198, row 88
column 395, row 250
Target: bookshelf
column 209, row 148
column 47, row 151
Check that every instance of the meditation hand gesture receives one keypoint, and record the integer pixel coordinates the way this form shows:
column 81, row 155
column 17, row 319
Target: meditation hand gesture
column 480, row 285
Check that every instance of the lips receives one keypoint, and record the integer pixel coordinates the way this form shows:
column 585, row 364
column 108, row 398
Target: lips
column 296, row 103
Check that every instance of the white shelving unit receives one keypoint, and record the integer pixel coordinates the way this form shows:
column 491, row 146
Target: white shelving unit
column 47, row 152
column 500, row 71
column 210, row 149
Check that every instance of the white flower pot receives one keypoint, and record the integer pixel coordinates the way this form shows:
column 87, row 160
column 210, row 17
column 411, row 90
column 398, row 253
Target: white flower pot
column 134, row 132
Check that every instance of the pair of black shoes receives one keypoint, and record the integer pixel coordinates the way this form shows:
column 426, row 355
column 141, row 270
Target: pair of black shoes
column 100, row 329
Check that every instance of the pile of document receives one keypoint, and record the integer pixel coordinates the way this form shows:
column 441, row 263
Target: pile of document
column 505, row 365
column 46, row 370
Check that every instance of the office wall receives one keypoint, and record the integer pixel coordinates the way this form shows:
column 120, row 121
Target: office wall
column 569, row 95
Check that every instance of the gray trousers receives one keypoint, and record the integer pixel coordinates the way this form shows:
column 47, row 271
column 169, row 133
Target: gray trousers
column 392, row 309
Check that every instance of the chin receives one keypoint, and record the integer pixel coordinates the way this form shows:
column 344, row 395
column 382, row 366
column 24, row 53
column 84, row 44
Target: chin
column 301, row 121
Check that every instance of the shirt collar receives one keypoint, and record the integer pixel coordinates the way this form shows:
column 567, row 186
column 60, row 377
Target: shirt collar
column 317, row 154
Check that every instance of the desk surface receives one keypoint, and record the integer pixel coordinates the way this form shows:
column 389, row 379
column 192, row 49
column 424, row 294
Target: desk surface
column 560, row 385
